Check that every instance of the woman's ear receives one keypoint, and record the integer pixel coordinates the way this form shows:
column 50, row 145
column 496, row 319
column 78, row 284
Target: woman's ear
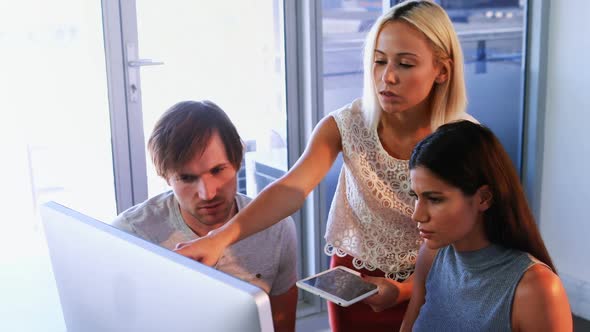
column 485, row 197
column 444, row 71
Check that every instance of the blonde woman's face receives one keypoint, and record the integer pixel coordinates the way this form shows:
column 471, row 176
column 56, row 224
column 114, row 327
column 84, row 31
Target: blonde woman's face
column 404, row 68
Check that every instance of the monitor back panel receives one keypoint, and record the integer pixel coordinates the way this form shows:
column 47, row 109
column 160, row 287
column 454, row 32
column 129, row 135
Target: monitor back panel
column 109, row 280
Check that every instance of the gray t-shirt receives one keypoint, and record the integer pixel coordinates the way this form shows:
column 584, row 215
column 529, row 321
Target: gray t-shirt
column 267, row 259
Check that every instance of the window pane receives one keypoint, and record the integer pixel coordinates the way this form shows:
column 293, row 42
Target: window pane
column 55, row 140
column 491, row 34
column 345, row 25
column 54, row 66
column 215, row 50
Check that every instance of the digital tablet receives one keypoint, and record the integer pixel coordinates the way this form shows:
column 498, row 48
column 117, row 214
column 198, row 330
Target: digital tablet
column 340, row 285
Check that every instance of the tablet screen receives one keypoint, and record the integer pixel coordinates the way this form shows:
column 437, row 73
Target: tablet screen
column 342, row 284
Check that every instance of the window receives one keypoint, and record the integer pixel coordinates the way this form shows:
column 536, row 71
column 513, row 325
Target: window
column 59, row 133
column 492, row 35
column 344, row 27
column 217, row 51
column 56, row 143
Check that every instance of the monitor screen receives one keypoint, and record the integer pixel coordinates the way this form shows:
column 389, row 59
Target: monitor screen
column 109, row 280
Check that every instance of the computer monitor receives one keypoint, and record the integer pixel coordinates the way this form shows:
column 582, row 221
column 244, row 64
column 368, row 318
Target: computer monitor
column 109, row 280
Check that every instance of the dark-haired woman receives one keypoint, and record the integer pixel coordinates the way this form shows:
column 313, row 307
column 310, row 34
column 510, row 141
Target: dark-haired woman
column 483, row 266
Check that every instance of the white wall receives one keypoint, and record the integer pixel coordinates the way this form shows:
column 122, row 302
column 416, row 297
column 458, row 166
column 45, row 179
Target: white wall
column 565, row 193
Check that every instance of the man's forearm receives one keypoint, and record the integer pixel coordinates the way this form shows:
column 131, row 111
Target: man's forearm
column 284, row 307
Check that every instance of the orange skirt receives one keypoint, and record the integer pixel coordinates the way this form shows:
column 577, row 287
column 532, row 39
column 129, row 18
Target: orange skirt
column 360, row 316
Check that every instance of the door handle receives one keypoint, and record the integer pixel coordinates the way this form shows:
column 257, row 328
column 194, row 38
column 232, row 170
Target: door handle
column 133, row 86
column 143, row 62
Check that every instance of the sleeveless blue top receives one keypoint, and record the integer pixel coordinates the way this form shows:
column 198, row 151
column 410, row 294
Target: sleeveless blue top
column 472, row 291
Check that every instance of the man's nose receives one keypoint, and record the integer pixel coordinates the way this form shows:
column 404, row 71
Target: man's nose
column 207, row 189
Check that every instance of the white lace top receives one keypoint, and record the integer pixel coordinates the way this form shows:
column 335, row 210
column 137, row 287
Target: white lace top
column 370, row 216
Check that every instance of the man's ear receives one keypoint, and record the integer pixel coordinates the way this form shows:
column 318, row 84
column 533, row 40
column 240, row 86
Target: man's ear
column 485, row 197
column 444, row 71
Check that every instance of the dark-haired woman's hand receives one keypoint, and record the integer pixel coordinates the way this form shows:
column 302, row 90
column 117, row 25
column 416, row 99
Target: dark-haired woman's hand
column 389, row 293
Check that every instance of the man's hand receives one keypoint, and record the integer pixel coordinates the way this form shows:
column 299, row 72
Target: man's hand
column 388, row 293
column 206, row 250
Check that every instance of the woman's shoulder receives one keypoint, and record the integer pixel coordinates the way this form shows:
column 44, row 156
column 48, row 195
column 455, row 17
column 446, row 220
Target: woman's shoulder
column 465, row 116
column 540, row 293
column 348, row 116
column 539, row 281
column 351, row 109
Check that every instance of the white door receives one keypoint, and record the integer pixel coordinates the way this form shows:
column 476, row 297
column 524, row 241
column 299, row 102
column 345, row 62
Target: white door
column 229, row 52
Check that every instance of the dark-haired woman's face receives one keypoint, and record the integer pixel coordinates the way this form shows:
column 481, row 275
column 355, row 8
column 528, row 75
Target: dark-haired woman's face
column 445, row 215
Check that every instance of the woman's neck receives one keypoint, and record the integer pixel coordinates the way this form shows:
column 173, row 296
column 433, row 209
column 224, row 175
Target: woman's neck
column 410, row 122
column 474, row 240
column 400, row 132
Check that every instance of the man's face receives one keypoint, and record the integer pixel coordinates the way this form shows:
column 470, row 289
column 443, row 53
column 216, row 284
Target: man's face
column 205, row 188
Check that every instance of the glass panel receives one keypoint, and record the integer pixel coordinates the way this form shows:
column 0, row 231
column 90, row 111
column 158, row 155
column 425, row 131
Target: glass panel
column 215, row 50
column 491, row 34
column 61, row 116
column 55, row 140
column 344, row 27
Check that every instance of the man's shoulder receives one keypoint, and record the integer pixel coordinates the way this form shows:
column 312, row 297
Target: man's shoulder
column 285, row 225
column 242, row 200
column 158, row 207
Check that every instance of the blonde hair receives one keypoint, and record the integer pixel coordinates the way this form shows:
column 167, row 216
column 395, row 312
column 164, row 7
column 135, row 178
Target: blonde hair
column 448, row 99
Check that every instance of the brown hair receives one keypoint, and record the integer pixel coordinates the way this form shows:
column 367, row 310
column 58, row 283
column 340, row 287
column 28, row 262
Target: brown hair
column 467, row 156
column 183, row 132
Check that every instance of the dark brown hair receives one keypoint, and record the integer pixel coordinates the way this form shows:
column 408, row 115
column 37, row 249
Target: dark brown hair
column 467, row 156
column 183, row 132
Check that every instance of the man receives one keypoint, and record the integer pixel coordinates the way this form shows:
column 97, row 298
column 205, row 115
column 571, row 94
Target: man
column 197, row 150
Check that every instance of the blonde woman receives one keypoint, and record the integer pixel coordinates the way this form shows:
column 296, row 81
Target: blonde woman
column 413, row 83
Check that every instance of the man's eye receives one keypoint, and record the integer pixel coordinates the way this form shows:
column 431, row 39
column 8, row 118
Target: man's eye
column 187, row 178
column 217, row 170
